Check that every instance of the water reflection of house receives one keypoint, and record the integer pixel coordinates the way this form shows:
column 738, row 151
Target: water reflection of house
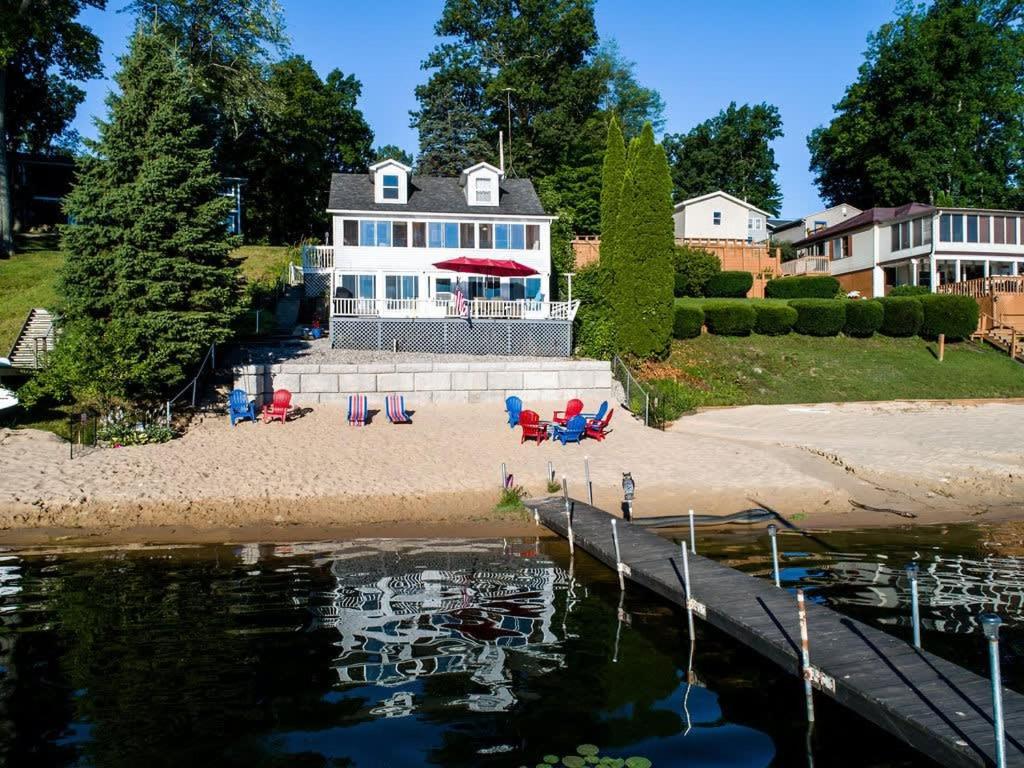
column 429, row 611
column 952, row 590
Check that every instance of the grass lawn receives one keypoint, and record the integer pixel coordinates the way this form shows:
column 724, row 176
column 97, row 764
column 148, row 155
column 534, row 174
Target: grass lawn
column 28, row 279
column 729, row 370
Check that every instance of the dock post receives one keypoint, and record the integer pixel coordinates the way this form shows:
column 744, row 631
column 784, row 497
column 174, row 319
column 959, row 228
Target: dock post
column 805, row 654
column 693, row 535
column 504, row 476
column 772, row 530
column 990, row 623
column 686, row 586
column 915, row 612
column 618, row 554
column 568, row 515
column 590, row 486
column 551, row 472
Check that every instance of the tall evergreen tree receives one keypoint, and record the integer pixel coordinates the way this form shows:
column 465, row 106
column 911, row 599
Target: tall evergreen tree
column 148, row 274
column 612, row 178
column 643, row 272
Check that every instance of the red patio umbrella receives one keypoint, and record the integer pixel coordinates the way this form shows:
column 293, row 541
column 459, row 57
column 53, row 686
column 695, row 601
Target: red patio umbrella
column 493, row 267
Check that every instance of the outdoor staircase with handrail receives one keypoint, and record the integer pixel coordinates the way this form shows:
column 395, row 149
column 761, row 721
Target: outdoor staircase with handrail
column 35, row 341
column 1008, row 338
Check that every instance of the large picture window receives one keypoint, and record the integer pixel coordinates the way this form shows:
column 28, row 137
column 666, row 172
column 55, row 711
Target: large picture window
column 401, row 286
column 359, row 286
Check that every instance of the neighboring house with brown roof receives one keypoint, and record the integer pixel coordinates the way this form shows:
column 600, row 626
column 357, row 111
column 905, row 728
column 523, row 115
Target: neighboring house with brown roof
column 907, row 245
column 798, row 229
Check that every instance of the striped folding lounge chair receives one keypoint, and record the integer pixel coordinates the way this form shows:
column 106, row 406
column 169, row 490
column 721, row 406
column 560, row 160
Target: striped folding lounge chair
column 394, row 406
column 357, row 410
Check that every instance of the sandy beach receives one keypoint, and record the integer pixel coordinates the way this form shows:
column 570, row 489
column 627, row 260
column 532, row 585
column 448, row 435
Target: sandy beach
column 823, row 465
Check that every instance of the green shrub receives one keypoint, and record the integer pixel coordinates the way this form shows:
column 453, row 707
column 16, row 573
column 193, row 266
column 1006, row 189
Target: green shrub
column 955, row 316
column 127, row 432
column 903, row 315
column 802, row 287
column 773, row 319
column 729, row 285
column 863, row 318
column 729, row 318
column 688, row 321
column 819, row 317
column 909, row 290
column 693, row 268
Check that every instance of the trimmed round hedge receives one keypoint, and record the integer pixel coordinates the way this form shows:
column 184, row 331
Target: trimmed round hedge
column 729, row 318
column 909, row 290
column 819, row 317
column 802, row 287
column 729, row 285
column 773, row 319
column 903, row 315
column 687, row 321
column 955, row 316
column 863, row 318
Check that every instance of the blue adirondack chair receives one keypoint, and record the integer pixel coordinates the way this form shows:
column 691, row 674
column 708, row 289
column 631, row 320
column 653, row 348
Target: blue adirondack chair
column 514, row 406
column 240, row 406
column 572, row 432
column 601, row 411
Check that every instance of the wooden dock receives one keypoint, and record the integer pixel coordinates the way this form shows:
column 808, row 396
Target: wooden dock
column 935, row 706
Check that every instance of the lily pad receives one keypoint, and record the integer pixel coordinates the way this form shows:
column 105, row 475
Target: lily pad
column 551, row 759
column 573, row 761
column 638, row 762
column 587, row 749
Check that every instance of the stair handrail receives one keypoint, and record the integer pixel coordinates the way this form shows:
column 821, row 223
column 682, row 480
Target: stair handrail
column 24, row 327
column 211, row 358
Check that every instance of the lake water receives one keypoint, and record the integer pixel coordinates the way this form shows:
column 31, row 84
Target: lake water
column 446, row 653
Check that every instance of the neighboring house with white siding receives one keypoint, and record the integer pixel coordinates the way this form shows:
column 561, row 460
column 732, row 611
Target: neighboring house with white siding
column 798, row 229
column 391, row 229
column 909, row 244
column 719, row 216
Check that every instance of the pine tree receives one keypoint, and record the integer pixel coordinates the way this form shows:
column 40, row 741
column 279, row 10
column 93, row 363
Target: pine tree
column 148, row 267
column 643, row 252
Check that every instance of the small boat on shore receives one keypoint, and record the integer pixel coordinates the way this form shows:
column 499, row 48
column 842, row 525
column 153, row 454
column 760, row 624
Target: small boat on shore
column 7, row 399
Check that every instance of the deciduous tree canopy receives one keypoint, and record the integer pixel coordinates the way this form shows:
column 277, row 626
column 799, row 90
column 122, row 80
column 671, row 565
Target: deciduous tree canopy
column 731, row 152
column 936, row 112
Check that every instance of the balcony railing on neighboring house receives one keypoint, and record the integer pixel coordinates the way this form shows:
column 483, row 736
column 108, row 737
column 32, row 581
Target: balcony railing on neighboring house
column 440, row 308
column 985, row 286
column 316, row 257
column 806, row 265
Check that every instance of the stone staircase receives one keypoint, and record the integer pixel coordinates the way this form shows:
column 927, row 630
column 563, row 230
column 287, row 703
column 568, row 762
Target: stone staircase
column 35, row 341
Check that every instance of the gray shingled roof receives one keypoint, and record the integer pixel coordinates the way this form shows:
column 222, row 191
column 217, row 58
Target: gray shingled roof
column 433, row 194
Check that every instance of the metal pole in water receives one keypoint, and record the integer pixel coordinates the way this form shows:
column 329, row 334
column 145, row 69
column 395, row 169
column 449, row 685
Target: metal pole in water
column 686, row 586
column 805, row 654
column 990, row 623
column 772, row 531
column 693, row 535
column 590, row 486
column 568, row 514
column 618, row 554
column 915, row 613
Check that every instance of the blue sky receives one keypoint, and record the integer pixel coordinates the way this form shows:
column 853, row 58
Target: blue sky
column 797, row 55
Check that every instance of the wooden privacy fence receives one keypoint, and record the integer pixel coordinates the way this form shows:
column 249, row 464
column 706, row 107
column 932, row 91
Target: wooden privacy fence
column 735, row 255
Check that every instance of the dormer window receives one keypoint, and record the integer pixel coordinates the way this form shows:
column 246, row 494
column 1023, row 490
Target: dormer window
column 390, row 182
column 389, row 187
column 483, row 190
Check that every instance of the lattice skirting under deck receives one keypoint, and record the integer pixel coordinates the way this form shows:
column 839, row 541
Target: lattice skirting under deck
column 481, row 337
column 317, row 283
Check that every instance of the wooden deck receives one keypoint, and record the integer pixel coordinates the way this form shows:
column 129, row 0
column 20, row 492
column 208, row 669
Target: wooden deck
column 937, row 707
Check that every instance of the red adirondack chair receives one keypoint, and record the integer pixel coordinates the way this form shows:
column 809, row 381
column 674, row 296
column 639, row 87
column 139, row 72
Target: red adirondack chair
column 599, row 429
column 532, row 428
column 278, row 409
column 573, row 408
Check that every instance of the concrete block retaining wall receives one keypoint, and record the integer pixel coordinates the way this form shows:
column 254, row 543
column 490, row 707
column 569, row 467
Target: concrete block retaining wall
column 437, row 382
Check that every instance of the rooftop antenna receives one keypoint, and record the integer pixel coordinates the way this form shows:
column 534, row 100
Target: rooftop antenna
column 508, row 104
column 501, row 152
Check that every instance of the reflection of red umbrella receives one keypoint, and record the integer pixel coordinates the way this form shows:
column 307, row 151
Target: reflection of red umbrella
column 493, row 267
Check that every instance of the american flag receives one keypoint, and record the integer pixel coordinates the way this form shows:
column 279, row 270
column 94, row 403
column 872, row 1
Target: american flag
column 461, row 305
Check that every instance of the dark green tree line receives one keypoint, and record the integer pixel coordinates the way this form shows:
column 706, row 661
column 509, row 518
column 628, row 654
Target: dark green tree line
column 937, row 111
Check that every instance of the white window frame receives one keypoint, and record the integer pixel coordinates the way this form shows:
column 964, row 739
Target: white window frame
column 385, row 187
column 716, row 218
column 482, row 195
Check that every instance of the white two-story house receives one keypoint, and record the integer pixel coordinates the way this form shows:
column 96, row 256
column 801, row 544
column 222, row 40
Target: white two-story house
column 407, row 248
column 719, row 216
column 917, row 244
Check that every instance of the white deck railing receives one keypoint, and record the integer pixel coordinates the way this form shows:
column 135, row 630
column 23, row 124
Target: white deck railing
column 806, row 265
column 317, row 257
column 437, row 308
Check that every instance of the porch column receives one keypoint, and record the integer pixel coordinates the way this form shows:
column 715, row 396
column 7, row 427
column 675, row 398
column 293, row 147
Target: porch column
column 956, row 273
column 988, row 268
column 934, row 266
column 913, row 272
